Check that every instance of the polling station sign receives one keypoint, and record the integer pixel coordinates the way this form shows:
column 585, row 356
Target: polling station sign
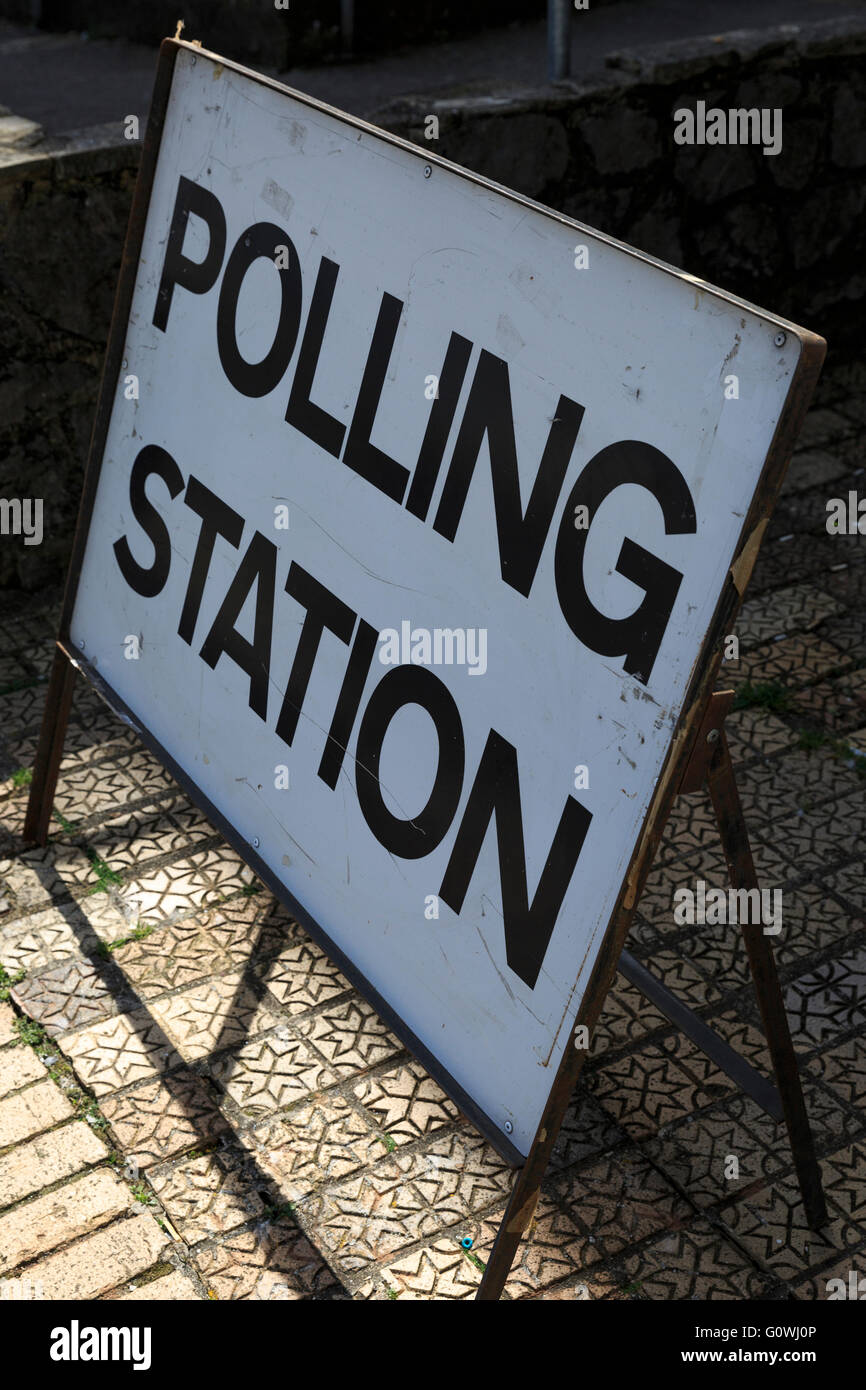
column 405, row 527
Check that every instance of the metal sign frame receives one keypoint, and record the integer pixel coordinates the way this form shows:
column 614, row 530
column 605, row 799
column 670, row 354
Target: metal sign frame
column 69, row 660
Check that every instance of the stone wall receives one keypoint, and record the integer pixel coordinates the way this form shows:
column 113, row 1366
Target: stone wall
column 785, row 231
column 63, row 214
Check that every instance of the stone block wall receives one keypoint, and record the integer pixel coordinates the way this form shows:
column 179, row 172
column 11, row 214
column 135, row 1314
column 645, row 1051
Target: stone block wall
column 785, row 231
column 63, row 215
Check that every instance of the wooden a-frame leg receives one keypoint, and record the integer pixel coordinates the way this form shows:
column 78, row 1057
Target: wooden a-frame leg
column 518, row 1214
column 735, row 842
column 49, row 750
column 527, row 1186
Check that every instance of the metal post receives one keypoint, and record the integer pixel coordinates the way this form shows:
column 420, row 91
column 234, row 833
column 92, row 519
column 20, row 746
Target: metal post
column 347, row 25
column 558, row 45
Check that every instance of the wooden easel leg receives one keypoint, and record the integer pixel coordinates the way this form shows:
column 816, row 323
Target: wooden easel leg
column 49, row 750
column 518, row 1214
column 735, row 842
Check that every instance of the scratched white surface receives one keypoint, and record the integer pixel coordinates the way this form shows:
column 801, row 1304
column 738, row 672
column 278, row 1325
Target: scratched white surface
column 645, row 352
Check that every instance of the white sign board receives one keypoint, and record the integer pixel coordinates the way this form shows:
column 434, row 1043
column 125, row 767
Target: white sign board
column 415, row 506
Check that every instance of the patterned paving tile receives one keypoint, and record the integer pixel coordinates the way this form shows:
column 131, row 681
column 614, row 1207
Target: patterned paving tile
column 795, row 609
column 132, row 839
column 843, row 1069
column 37, row 877
column 849, row 883
column 849, row 633
column 208, row 1195
column 619, row 1200
column 757, row 733
column 793, row 661
column 771, row 1226
column 625, row 1018
column 367, row 1218
column 405, row 1103
column 226, row 872
column 101, row 737
column 278, row 1264
column 174, row 890
column 38, row 656
column 245, row 928
column 835, row 705
column 98, row 738
column 12, row 813
column 112, row 914
column 645, row 1091
column 404, row 1198
column 38, row 940
column 586, row 1130
column 657, row 900
column 219, row 1013
column 832, row 1124
column 457, row 1174
column 120, row 1051
column 21, row 709
column 818, row 1009
column 744, row 1037
column 245, row 945
column 770, row 791
column 698, row 1263
column 27, row 629
column 597, row 1286
column 851, row 1270
column 73, row 995
column 554, row 1248
column 350, row 1036
column 698, row 1067
column 193, row 822
column 719, row 953
column 697, row 1155
column 691, row 826
column 164, row 1117
column 270, row 1073
column 814, row 839
column 851, row 977
column 148, row 774
column 644, row 938
column 171, row 957
column 14, row 672
column 313, row 1144
column 857, row 740
column 847, row 581
column 680, row 976
column 844, row 1174
column 302, row 976
column 441, row 1270
column 811, row 921
column 92, row 788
